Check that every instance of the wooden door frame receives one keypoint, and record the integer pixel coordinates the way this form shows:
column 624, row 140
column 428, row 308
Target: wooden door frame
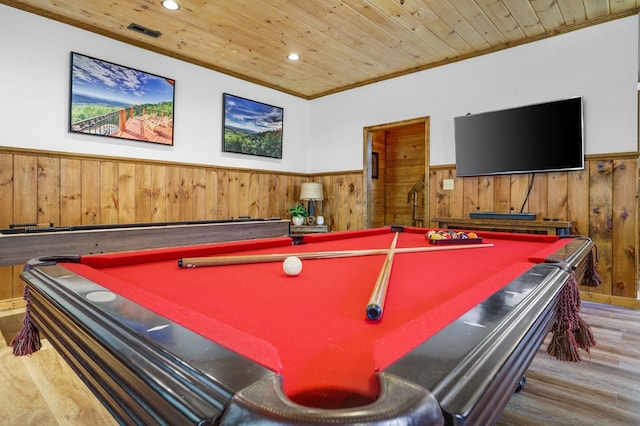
column 366, row 169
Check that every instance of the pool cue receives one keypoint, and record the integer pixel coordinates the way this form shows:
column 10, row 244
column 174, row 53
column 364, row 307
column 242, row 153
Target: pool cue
column 376, row 302
column 197, row 262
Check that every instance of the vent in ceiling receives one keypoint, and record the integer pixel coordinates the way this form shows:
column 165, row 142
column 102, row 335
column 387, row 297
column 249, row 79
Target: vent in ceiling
column 143, row 30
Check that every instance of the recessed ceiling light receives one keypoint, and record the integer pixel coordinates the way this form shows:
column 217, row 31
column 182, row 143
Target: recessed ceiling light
column 170, row 4
column 293, row 56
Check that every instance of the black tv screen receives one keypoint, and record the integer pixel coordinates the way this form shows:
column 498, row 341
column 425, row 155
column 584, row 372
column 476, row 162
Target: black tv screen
column 534, row 138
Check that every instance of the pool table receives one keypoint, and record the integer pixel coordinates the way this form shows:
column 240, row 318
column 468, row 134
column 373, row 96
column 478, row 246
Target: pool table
column 239, row 344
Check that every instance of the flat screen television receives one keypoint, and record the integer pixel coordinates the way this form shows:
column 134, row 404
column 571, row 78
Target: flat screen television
column 534, row 138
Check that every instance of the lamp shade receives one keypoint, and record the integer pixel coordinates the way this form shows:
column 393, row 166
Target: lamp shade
column 311, row 191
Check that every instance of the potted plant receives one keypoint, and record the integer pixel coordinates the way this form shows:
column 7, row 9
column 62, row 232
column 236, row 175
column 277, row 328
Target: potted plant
column 298, row 213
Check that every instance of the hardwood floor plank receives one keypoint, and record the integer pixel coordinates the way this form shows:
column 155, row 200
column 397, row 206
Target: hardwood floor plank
column 602, row 389
column 42, row 389
column 26, row 403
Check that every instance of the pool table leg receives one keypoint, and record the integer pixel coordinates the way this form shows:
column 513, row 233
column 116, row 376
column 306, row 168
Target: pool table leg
column 521, row 383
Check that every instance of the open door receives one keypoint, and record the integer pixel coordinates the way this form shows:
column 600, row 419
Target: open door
column 396, row 172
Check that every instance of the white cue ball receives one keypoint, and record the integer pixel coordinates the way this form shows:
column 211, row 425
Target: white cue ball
column 292, row 265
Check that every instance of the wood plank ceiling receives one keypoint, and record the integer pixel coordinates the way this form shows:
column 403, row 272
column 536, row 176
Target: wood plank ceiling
column 342, row 43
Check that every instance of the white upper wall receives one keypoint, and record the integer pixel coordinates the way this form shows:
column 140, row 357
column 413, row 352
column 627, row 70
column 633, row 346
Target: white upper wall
column 35, row 108
column 599, row 63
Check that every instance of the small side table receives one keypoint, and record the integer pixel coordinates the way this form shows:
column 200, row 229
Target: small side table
column 308, row 229
column 549, row 227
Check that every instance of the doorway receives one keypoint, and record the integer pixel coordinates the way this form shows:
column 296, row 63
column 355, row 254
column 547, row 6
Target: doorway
column 396, row 170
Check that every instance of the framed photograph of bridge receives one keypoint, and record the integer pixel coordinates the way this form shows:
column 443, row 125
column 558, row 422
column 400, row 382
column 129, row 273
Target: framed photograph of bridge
column 251, row 127
column 115, row 101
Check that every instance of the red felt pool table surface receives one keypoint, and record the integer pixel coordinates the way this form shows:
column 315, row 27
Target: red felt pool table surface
column 312, row 328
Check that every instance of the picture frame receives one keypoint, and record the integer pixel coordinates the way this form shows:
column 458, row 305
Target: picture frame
column 115, row 101
column 374, row 165
column 252, row 128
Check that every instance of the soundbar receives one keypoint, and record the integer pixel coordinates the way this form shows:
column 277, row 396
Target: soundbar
column 503, row 216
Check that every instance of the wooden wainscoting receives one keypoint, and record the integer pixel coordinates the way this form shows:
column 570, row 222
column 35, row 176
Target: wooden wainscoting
column 71, row 189
column 601, row 200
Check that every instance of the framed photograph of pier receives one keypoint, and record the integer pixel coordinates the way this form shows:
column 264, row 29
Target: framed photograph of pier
column 115, row 101
column 251, row 127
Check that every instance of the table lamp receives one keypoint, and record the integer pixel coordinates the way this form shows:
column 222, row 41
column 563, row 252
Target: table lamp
column 312, row 192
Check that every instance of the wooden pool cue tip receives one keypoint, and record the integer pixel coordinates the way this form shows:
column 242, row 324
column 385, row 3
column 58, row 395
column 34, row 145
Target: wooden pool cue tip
column 375, row 307
column 197, row 262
